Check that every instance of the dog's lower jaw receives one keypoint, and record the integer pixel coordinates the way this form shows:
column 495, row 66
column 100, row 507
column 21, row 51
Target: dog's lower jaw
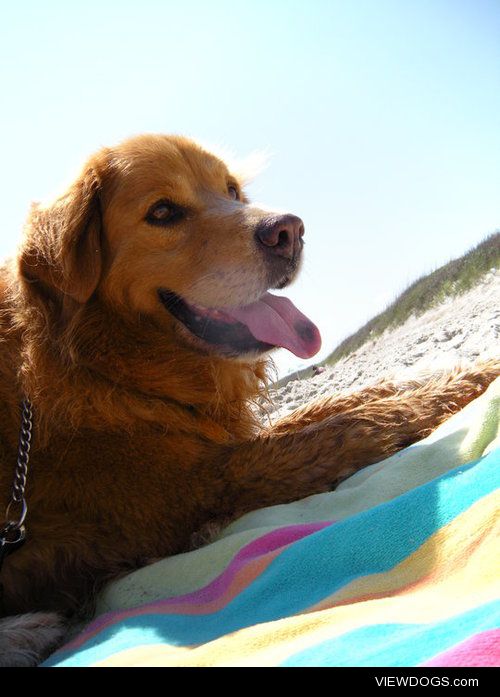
column 212, row 337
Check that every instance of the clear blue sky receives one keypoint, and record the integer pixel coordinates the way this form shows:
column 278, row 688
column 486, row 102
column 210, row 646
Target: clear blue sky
column 382, row 117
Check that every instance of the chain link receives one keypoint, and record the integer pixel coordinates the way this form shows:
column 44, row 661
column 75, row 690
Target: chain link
column 13, row 531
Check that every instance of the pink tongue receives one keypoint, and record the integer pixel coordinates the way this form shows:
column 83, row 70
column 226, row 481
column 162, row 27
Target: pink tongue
column 275, row 320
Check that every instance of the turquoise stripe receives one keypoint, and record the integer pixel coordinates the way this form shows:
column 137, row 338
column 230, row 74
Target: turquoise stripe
column 314, row 567
column 398, row 644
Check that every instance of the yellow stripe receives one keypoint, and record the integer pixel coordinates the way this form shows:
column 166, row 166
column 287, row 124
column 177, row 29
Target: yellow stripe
column 452, row 572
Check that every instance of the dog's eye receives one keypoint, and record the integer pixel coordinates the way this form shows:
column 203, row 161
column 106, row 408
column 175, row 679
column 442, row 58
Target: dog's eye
column 233, row 192
column 163, row 213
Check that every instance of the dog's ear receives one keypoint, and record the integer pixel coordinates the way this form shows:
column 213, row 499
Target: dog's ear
column 62, row 249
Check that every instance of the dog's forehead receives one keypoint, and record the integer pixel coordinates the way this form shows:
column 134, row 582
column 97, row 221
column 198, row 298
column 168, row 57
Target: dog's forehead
column 167, row 161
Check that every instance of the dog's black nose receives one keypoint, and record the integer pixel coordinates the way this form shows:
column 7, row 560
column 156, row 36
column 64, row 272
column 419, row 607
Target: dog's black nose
column 281, row 235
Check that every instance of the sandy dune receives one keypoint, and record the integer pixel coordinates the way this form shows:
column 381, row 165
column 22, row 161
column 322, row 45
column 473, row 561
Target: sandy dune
column 463, row 329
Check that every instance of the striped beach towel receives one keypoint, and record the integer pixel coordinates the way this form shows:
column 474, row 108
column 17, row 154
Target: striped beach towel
column 397, row 567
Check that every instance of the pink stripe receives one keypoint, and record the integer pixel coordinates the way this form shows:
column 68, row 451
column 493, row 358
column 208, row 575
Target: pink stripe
column 257, row 548
column 481, row 650
column 270, row 544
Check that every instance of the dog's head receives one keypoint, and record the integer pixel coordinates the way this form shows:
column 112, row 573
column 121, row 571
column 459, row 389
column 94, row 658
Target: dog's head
column 158, row 226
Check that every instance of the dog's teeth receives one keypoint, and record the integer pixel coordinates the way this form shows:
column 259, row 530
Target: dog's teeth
column 201, row 312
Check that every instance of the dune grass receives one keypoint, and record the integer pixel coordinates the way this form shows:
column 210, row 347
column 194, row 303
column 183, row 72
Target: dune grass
column 452, row 279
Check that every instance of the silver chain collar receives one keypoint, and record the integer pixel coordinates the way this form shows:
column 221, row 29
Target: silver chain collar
column 13, row 532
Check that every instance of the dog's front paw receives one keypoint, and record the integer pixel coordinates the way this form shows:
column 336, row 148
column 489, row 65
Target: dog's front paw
column 26, row 640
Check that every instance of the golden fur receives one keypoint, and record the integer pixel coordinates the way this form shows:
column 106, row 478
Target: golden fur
column 143, row 434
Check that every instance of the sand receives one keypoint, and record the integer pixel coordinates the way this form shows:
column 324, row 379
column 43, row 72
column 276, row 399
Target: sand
column 464, row 329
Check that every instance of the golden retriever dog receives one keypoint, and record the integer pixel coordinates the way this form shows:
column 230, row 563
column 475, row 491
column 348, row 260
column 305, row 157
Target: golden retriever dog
column 137, row 319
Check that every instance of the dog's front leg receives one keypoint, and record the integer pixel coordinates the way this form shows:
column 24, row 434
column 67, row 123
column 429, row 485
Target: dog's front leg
column 313, row 449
